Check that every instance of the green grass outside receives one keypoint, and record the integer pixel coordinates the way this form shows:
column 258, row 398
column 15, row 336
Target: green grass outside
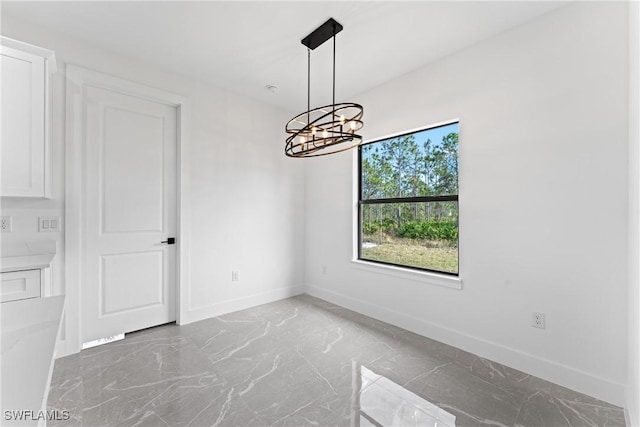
column 410, row 252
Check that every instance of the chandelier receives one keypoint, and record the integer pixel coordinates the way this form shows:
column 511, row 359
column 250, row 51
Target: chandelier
column 329, row 129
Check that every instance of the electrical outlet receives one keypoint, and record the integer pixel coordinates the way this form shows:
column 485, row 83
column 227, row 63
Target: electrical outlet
column 48, row 223
column 5, row 224
column 234, row 276
column 537, row 320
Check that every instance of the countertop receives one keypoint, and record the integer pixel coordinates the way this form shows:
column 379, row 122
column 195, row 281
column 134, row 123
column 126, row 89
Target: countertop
column 26, row 255
column 28, row 333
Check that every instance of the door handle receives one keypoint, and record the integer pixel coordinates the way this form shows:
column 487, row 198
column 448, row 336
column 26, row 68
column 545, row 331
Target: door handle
column 170, row 241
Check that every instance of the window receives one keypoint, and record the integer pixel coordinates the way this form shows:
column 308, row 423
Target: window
column 408, row 200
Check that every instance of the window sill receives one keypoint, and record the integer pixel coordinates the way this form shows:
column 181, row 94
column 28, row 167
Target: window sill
column 435, row 279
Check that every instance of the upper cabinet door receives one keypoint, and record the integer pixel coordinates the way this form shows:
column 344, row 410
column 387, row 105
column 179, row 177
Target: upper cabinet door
column 24, row 148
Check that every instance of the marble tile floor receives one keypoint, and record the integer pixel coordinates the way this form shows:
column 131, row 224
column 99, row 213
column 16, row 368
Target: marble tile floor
column 304, row 362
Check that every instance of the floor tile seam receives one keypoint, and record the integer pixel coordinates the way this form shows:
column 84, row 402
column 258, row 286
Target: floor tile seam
column 506, row 379
column 89, row 370
column 63, row 381
column 127, row 422
column 318, row 374
column 194, row 345
column 74, row 412
column 152, row 393
column 245, row 403
column 577, row 413
column 446, row 404
column 335, row 320
column 519, row 399
column 496, row 423
column 395, row 394
column 429, row 357
column 166, row 374
column 523, row 404
column 432, row 359
column 68, row 391
column 169, row 390
column 217, row 397
column 86, row 362
column 602, row 405
column 266, row 328
column 553, row 397
column 355, row 394
column 505, row 375
column 292, row 414
column 375, row 338
column 423, row 377
column 161, row 419
column 77, row 403
column 218, row 351
column 597, row 408
column 57, row 408
column 230, row 400
column 214, row 361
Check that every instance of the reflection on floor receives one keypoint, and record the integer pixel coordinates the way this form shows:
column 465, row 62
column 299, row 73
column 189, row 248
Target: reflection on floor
column 303, row 361
column 385, row 403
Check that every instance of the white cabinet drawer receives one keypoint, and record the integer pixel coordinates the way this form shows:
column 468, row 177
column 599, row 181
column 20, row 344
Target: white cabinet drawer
column 16, row 285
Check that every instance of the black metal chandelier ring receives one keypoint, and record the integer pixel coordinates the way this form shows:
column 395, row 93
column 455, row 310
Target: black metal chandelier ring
column 324, row 130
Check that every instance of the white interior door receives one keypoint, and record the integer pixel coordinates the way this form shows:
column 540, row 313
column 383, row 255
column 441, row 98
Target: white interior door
column 130, row 208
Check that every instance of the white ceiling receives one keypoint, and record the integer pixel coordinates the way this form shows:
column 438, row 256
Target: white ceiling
column 243, row 46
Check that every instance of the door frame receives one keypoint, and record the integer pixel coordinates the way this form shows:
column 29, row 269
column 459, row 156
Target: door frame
column 78, row 78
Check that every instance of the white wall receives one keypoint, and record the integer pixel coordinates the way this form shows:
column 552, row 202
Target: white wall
column 543, row 200
column 246, row 205
column 632, row 404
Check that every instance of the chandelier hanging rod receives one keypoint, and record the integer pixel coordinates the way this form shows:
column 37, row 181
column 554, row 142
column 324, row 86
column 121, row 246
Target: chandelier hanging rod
column 317, row 38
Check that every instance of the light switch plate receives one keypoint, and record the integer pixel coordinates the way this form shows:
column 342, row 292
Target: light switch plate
column 49, row 223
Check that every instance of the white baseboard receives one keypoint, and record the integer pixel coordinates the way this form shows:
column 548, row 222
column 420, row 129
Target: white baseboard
column 566, row 376
column 232, row 305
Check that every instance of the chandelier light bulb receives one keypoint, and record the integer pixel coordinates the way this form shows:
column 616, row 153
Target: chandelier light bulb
column 342, row 119
column 325, row 133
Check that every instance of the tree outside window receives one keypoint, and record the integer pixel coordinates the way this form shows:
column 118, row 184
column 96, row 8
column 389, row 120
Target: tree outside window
column 408, row 205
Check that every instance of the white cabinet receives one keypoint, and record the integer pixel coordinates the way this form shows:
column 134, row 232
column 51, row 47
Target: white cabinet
column 17, row 285
column 25, row 269
column 24, row 144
